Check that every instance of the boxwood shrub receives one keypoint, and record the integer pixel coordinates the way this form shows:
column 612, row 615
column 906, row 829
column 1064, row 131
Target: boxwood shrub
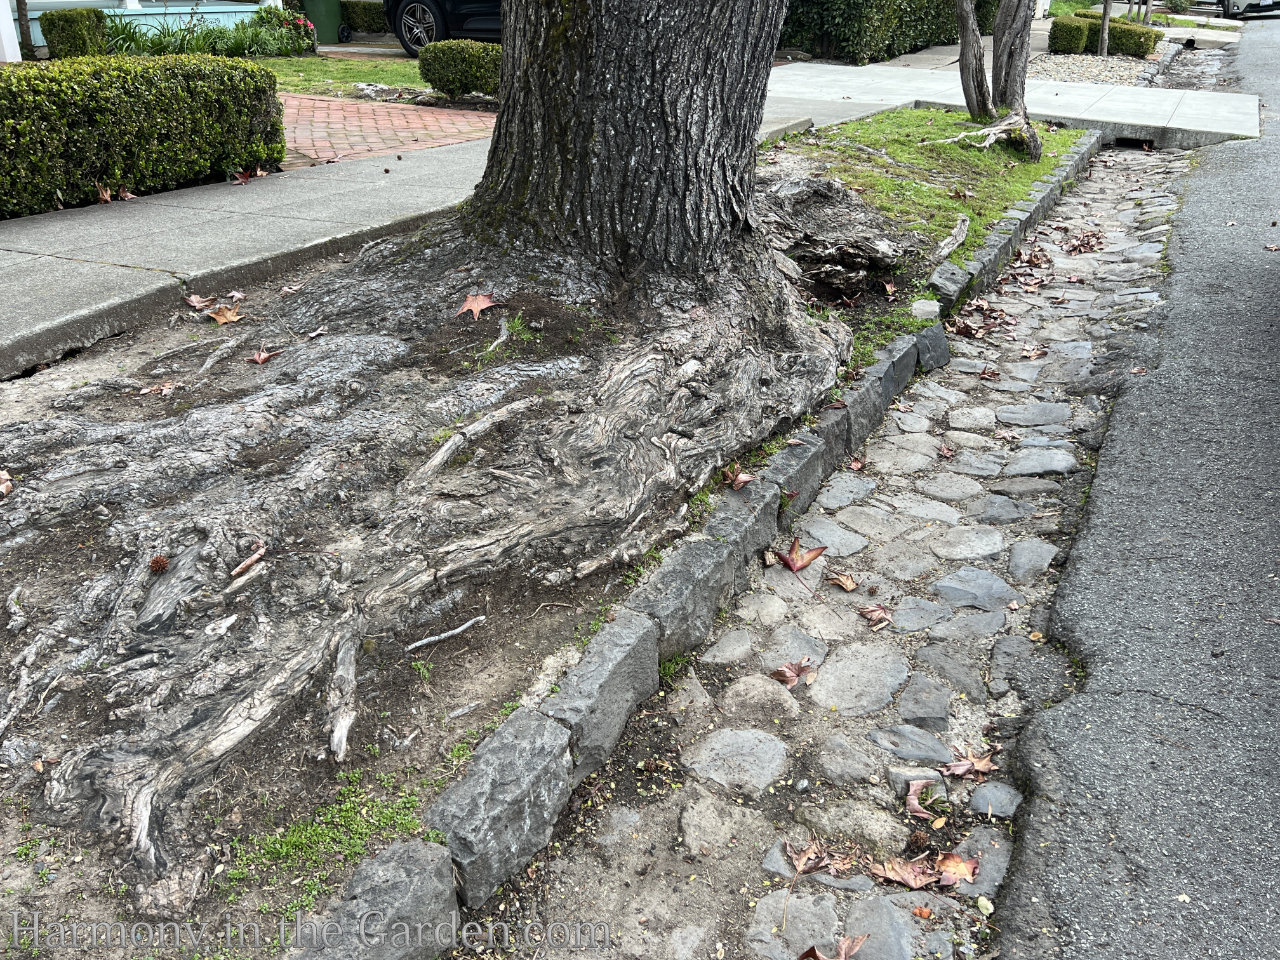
column 455, row 67
column 1068, row 35
column 362, row 16
column 864, row 31
column 80, row 32
column 1128, row 38
column 142, row 123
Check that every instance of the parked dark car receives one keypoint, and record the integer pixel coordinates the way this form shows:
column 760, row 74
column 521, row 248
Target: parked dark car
column 419, row 22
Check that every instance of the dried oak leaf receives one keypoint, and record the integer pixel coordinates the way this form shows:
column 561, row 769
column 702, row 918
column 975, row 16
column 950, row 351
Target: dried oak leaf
column 477, row 304
column 877, row 614
column 912, row 874
column 261, row 356
column 789, row 674
column 736, row 477
column 952, row 868
column 197, row 302
column 969, row 766
column 844, row 581
column 796, row 559
column 914, row 808
column 224, row 315
column 845, row 949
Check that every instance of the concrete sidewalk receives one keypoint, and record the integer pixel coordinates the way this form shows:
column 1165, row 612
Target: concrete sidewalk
column 73, row 277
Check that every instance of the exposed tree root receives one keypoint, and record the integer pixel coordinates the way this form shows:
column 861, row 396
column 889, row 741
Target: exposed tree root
column 1014, row 129
column 374, row 518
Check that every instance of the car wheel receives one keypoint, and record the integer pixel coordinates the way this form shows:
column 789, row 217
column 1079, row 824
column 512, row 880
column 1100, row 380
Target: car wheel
column 419, row 22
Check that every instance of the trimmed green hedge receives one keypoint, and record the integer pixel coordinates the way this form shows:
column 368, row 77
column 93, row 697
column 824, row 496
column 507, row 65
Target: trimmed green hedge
column 455, row 67
column 80, row 32
column 864, row 31
column 1068, row 35
column 1127, row 38
column 363, row 16
column 142, row 123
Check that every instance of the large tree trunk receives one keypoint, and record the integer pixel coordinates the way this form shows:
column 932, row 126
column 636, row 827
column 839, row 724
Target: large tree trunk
column 1105, row 32
column 634, row 168
column 973, row 69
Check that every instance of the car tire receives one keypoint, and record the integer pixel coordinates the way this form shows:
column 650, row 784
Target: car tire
column 419, row 22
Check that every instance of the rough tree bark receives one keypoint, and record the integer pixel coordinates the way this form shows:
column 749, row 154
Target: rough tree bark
column 1104, row 33
column 973, row 69
column 1010, row 53
column 25, row 42
column 618, row 194
column 651, row 169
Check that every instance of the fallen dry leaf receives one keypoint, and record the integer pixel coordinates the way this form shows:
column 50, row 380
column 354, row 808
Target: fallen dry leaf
column 789, row 674
column 946, row 451
column 924, row 913
column 261, row 356
column 235, row 296
column 844, row 581
column 953, row 868
column 969, row 766
column 845, row 949
column 1272, row 247
column 197, row 302
column 989, row 373
column 224, row 315
column 240, row 179
column 6, row 483
column 877, row 614
column 164, row 389
column 736, row 477
column 123, row 194
column 1138, row 371
column 104, row 194
column 477, row 304
column 796, row 559
column 914, row 789
column 912, row 874
column 287, row 291
column 856, row 464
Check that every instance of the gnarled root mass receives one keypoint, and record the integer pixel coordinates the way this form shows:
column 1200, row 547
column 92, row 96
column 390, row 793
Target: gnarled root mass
column 388, row 467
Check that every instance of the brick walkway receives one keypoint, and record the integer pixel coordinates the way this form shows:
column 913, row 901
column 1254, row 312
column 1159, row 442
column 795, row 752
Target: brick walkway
column 325, row 128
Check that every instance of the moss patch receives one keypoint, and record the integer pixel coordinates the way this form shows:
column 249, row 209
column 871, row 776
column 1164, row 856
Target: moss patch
column 925, row 186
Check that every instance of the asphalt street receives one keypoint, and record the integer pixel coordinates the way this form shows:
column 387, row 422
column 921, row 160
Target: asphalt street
column 1153, row 829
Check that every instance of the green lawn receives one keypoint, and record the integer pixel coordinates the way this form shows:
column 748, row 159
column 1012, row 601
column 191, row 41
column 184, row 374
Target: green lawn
column 1065, row 8
column 334, row 77
column 926, row 186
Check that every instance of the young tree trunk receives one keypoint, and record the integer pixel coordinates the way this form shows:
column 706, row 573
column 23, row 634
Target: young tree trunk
column 1011, row 52
column 24, row 31
column 598, row 154
column 1105, row 32
column 973, row 69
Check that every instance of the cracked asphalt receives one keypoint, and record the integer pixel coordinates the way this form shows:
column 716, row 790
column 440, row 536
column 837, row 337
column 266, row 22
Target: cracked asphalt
column 1152, row 832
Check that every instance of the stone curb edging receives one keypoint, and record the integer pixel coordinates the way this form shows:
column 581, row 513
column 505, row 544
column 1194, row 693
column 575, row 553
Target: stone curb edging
column 1153, row 70
column 951, row 282
column 505, row 807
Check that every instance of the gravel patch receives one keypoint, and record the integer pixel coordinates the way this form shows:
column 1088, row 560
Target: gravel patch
column 1120, row 71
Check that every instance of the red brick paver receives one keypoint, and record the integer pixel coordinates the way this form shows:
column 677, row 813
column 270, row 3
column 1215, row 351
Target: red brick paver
column 326, row 128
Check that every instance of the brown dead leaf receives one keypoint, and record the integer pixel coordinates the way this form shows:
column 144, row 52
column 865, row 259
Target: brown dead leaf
column 235, row 296
column 808, row 859
column 477, row 304
column 104, row 193
column 953, row 868
column 969, row 766
column 261, row 356
column 240, row 179
column 797, row 558
column 913, row 805
column 1138, row 371
column 912, row 874
column 946, row 451
column 789, row 674
column 736, row 477
column 223, row 315
column 122, row 193
column 856, row 464
column 197, row 302
column 877, row 614
column 924, row 913
column 6, row 483
column 164, row 389
column 288, row 291
column 844, row 581
column 989, row 373
column 845, row 949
